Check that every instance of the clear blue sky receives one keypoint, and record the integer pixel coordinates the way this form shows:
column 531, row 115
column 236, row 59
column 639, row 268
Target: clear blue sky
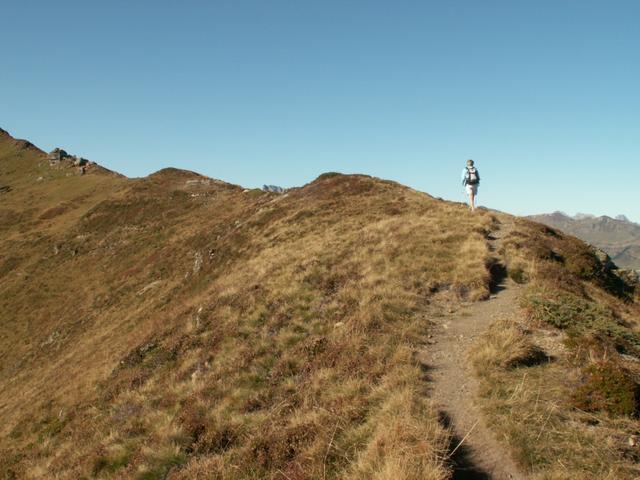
column 544, row 95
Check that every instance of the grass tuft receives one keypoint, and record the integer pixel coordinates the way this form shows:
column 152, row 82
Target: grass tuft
column 506, row 345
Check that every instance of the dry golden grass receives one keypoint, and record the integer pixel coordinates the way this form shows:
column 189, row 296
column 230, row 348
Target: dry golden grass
column 528, row 408
column 536, row 400
column 506, row 345
column 405, row 442
column 157, row 328
column 178, row 327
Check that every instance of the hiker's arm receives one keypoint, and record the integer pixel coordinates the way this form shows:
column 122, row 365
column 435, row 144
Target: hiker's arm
column 464, row 176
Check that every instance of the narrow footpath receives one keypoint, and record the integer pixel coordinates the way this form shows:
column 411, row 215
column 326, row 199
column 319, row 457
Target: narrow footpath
column 475, row 452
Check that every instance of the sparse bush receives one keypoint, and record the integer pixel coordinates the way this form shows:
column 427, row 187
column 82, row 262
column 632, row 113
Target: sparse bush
column 582, row 319
column 518, row 274
column 218, row 438
column 113, row 461
column 281, row 445
column 193, row 421
column 161, row 465
column 563, row 310
column 606, row 387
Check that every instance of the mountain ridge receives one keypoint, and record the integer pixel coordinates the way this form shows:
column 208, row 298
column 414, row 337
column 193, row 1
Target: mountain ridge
column 176, row 326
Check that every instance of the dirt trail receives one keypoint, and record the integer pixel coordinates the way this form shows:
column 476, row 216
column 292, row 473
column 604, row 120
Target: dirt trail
column 453, row 384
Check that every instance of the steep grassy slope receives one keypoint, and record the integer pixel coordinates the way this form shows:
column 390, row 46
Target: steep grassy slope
column 620, row 238
column 560, row 380
column 180, row 327
column 179, row 321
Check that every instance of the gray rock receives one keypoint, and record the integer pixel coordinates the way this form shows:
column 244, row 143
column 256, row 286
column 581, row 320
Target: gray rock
column 273, row 189
column 197, row 264
column 56, row 155
column 604, row 259
column 197, row 182
column 630, row 277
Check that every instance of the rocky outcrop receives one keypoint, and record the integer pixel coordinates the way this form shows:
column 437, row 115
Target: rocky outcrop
column 628, row 276
column 58, row 155
column 604, row 258
column 273, row 189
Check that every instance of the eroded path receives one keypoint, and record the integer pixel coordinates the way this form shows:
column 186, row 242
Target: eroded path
column 478, row 453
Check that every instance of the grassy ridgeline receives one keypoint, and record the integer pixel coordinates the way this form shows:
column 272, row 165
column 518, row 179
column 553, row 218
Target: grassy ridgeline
column 180, row 327
column 178, row 324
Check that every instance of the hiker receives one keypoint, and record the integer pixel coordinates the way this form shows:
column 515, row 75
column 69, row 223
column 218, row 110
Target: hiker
column 471, row 181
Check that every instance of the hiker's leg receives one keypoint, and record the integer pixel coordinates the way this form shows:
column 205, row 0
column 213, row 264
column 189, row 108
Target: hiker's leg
column 471, row 199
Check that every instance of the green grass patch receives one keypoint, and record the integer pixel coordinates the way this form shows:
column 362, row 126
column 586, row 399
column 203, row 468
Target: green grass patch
column 161, row 465
column 113, row 462
column 582, row 319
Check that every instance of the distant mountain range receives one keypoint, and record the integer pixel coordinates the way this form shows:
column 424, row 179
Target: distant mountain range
column 618, row 236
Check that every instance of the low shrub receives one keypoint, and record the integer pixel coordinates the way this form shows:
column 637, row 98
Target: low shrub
column 518, row 274
column 607, row 387
column 582, row 318
column 112, row 462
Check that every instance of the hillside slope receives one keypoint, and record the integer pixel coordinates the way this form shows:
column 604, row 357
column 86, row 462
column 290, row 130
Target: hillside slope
column 176, row 326
column 619, row 237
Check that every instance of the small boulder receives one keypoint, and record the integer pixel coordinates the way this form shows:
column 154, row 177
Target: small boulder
column 56, row 155
column 604, row 259
column 628, row 276
column 273, row 189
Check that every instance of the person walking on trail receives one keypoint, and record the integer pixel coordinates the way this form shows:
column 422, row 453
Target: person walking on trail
column 471, row 181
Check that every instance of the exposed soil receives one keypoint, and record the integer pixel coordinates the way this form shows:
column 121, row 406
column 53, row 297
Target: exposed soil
column 475, row 451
